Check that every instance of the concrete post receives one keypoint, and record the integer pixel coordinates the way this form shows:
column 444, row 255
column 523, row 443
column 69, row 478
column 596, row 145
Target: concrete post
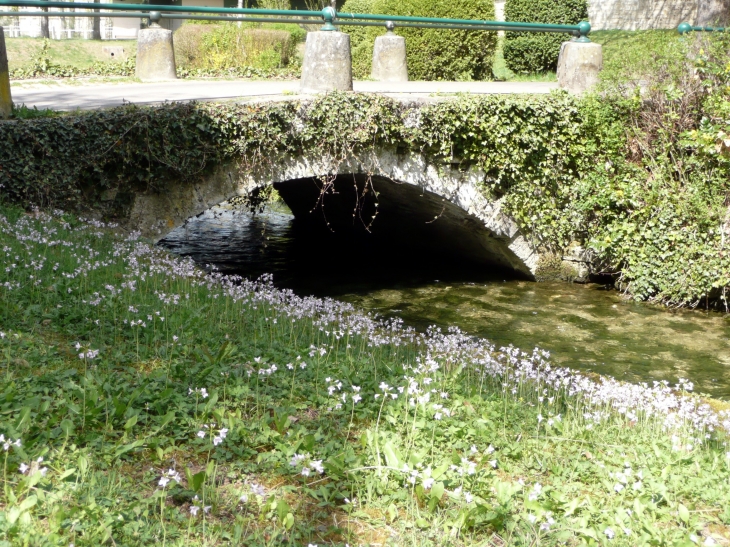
column 327, row 62
column 155, row 54
column 6, row 100
column 389, row 57
column 578, row 66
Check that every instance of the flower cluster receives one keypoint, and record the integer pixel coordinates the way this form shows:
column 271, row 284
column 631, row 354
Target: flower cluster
column 334, row 387
column 308, row 465
column 217, row 437
column 202, row 391
column 171, row 475
column 9, row 443
column 33, row 468
column 197, row 505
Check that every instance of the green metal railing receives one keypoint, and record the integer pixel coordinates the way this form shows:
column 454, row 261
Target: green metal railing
column 684, row 28
column 255, row 15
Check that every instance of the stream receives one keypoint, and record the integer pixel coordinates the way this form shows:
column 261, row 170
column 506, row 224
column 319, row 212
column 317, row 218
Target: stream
column 585, row 327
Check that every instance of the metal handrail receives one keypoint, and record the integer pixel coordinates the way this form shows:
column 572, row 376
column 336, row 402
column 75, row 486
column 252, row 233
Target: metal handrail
column 684, row 28
column 156, row 12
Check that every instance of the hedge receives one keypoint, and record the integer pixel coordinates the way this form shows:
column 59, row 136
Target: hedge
column 432, row 54
column 531, row 52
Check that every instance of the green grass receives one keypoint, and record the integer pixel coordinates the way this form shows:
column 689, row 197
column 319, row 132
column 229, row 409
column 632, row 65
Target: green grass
column 175, row 408
column 76, row 52
column 22, row 112
column 632, row 55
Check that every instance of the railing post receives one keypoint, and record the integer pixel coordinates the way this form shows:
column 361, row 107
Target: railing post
column 6, row 100
column 329, row 14
column 580, row 62
column 684, row 28
column 155, row 54
column 389, row 57
column 327, row 62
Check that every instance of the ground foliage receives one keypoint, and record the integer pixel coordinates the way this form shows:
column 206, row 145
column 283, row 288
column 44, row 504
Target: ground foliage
column 267, row 65
column 640, row 181
column 228, row 46
column 42, row 66
column 436, row 54
column 146, row 402
column 528, row 52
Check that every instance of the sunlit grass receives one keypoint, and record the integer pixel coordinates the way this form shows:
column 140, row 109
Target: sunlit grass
column 77, row 52
column 170, row 406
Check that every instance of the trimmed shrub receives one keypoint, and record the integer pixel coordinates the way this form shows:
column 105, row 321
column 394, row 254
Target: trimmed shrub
column 532, row 52
column 362, row 39
column 438, row 54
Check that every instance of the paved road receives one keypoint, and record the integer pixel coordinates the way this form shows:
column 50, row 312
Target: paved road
column 71, row 97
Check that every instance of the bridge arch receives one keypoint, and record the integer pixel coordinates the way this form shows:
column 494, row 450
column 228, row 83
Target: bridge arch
column 409, row 184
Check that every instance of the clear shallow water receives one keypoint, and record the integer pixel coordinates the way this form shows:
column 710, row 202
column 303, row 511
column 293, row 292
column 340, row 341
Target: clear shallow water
column 585, row 327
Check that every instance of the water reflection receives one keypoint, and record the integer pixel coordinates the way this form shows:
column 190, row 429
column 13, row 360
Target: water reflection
column 584, row 326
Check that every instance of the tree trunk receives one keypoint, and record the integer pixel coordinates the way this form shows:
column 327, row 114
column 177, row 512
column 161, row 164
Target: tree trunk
column 44, row 25
column 713, row 13
column 96, row 29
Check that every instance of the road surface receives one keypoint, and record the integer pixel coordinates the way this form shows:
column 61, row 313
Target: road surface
column 62, row 96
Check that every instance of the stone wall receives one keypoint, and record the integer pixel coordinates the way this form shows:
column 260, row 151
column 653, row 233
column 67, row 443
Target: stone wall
column 641, row 14
column 636, row 14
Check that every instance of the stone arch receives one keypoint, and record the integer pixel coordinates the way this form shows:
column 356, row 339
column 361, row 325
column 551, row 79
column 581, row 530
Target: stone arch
column 155, row 214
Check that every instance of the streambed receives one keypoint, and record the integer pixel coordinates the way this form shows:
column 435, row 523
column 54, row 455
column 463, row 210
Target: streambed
column 585, row 327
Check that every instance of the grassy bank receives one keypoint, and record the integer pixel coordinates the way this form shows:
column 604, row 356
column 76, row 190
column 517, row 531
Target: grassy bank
column 77, row 52
column 632, row 54
column 144, row 401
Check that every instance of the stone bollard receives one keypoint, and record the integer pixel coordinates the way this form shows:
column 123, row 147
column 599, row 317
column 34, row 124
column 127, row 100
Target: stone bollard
column 389, row 57
column 6, row 99
column 155, row 54
column 578, row 65
column 327, row 62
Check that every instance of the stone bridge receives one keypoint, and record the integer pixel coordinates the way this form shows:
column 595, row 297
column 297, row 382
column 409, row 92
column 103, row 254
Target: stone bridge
column 403, row 197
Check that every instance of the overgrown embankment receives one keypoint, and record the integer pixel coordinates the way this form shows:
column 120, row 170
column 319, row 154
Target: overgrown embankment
column 146, row 402
column 642, row 184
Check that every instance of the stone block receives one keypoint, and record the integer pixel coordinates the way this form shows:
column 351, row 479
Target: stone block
column 6, row 100
column 389, row 59
column 327, row 62
column 155, row 55
column 578, row 66
column 114, row 52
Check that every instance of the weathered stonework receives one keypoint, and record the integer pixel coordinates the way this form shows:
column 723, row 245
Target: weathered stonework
column 327, row 64
column 156, row 214
column 579, row 261
column 579, row 65
column 713, row 12
column 155, row 55
column 641, row 14
column 6, row 100
column 389, row 59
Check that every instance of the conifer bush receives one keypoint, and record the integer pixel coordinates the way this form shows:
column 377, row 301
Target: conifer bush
column 524, row 52
column 438, row 54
